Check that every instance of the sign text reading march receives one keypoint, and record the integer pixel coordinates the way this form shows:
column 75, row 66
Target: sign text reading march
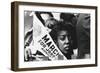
column 48, row 47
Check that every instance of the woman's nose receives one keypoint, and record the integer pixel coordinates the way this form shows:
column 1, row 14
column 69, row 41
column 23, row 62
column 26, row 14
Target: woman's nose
column 66, row 40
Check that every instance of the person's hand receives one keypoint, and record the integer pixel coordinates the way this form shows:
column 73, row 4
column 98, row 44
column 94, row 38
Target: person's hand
column 27, row 53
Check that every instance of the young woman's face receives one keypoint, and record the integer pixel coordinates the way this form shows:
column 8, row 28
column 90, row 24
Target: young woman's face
column 63, row 41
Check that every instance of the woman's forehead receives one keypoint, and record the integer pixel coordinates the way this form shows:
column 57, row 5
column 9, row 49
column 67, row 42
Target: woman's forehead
column 63, row 32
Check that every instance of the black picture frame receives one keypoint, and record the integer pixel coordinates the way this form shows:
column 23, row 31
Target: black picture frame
column 15, row 34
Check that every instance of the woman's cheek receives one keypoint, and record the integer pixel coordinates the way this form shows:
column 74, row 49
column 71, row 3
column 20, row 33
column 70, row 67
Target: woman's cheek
column 60, row 44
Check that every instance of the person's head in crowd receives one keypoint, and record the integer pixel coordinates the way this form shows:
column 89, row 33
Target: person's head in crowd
column 62, row 36
column 47, row 19
column 71, row 18
column 50, row 23
column 43, row 16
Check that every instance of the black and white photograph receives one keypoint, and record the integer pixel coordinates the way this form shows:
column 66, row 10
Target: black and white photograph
column 66, row 36
column 50, row 36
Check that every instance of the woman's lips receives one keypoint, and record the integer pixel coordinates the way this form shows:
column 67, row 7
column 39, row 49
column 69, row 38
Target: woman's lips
column 66, row 48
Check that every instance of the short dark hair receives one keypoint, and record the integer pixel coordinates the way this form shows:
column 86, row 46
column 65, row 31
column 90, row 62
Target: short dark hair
column 59, row 27
column 66, row 16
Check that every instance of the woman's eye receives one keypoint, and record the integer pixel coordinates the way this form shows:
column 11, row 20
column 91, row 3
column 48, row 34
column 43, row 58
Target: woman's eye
column 62, row 38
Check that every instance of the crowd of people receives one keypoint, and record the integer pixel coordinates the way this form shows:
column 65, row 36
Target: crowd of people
column 71, row 32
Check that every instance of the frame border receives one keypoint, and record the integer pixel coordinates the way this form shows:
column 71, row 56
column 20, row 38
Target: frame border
column 15, row 34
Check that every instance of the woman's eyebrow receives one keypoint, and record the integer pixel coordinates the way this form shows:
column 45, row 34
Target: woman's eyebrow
column 63, row 34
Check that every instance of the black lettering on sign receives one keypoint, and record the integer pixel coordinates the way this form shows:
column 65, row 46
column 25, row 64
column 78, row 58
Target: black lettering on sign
column 52, row 47
column 49, row 43
column 45, row 38
column 41, row 43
